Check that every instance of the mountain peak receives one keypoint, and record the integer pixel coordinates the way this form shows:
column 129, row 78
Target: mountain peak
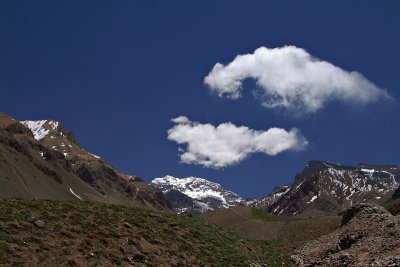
column 42, row 129
column 201, row 194
column 315, row 166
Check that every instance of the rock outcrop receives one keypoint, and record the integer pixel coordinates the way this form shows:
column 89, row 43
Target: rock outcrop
column 369, row 236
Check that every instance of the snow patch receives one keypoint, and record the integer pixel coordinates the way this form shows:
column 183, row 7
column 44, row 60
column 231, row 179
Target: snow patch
column 72, row 191
column 312, row 199
column 97, row 157
column 37, row 128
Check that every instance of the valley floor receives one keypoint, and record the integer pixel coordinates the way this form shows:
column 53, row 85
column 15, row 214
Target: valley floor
column 279, row 234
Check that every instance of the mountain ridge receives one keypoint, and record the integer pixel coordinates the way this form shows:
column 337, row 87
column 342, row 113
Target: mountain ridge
column 42, row 159
column 329, row 187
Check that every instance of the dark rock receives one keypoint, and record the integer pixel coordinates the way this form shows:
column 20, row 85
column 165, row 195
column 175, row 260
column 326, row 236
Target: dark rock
column 136, row 256
column 127, row 225
column 173, row 225
column 349, row 240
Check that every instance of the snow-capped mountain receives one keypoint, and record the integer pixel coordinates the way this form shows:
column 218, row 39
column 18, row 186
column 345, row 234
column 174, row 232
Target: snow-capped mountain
column 195, row 195
column 42, row 159
column 328, row 187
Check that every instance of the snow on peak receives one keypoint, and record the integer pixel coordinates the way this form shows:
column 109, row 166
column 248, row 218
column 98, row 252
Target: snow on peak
column 40, row 129
column 198, row 189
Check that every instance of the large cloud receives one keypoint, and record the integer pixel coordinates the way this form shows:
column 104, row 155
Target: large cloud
column 227, row 144
column 291, row 78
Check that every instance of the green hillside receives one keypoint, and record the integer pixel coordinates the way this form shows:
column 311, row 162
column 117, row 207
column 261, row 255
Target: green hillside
column 93, row 234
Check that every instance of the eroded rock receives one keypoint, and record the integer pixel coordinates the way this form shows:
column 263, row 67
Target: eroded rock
column 369, row 236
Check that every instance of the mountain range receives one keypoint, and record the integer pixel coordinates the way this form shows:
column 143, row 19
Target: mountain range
column 43, row 160
column 322, row 187
column 326, row 187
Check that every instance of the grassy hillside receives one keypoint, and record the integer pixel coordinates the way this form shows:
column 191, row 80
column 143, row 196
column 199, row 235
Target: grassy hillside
column 280, row 234
column 93, row 234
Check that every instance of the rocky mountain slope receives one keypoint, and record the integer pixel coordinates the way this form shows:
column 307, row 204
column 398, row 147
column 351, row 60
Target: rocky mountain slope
column 332, row 188
column 74, row 233
column 369, row 236
column 43, row 160
column 195, row 195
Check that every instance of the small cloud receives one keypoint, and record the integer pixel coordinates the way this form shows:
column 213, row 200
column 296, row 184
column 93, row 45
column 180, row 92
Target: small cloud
column 293, row 79
column 226, row 144
column 180, row 119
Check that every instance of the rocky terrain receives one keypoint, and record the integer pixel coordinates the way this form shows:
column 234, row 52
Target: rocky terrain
column 43, row 160
column 81, row 233
column 369, row 236
column 195, row 195
column 325, row 187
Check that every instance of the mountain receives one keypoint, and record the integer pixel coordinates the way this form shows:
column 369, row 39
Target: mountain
column 195, row 195
column 43, row 160
column 331, row 188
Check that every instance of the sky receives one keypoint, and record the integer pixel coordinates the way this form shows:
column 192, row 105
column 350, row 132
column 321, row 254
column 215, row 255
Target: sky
column 243, row 93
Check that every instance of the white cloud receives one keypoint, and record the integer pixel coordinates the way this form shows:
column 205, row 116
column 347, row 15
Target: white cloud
column 227, row 144
column 291, row 78
column 180, row 119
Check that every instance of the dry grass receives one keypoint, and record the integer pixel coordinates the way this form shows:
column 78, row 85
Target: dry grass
column 279, row 235
column 90, row 234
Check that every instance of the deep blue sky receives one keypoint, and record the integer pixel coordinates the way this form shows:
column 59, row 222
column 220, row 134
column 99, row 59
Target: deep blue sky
column 116, row 72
